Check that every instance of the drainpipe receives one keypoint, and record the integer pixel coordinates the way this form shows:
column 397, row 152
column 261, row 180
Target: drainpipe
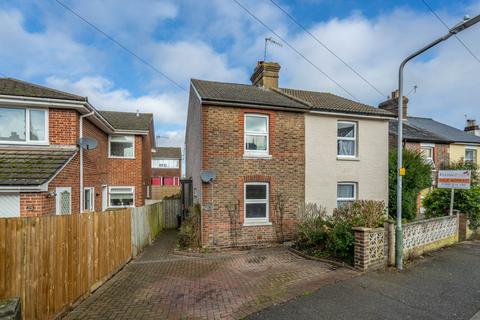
column 81, row 158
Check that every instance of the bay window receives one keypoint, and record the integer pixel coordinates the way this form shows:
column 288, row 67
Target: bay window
column 23, row 125
column 121, row 197
column 256, row 203
column 346, row 139
column 122, row 147
column 346, row 193
column 256, row 134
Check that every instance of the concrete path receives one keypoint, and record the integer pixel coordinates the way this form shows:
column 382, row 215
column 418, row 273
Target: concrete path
column 227, row 285
column 445, row 285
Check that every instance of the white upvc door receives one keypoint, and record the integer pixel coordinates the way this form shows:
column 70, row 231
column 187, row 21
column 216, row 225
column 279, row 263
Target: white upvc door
column 9, row 205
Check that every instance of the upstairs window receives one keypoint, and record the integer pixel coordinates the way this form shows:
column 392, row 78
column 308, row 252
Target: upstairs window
column 346, row 139
column 122, row 147
column 256, row 134
column 470, row 155
column 23, row 126
column 346, row 193
column 256, row 203
column 165, row 163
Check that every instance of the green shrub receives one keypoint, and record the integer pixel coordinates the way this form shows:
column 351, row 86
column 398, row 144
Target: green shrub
column 189, row 234
column 418, row 177
column 333, row 236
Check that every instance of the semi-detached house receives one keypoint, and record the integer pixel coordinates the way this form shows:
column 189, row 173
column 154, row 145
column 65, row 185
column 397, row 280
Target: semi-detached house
column 271, row 150
column 43, row 168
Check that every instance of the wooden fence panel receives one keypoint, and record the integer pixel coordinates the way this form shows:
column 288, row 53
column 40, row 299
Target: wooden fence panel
column 171, row 208
column 147, row 223
column 52, row 261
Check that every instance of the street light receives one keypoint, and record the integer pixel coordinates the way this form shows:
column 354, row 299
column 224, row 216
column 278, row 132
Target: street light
column 467, row 23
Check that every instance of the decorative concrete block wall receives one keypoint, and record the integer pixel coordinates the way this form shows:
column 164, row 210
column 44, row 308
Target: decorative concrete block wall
column 370, row 248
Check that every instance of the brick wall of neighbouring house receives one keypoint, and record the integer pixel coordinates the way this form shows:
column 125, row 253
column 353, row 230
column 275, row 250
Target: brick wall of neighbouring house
column 223, row 152
column 167, row 172
column 95, row 162
column 39, row 203
column 63, row 126
column 128, row 172
column 147, row 163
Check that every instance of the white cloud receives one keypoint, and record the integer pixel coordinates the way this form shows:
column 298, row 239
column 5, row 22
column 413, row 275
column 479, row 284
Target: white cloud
column 169, row 109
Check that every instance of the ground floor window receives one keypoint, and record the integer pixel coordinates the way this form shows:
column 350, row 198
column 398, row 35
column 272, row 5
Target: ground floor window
column 9, row 205
column 89, row 199
column 63, row 200
column 256, row 202
column 346, row 193
column 121, row 197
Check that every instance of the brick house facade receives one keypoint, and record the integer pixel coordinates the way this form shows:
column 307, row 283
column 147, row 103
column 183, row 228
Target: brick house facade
column 34, row 175
column 166, row 172
column 246, row 155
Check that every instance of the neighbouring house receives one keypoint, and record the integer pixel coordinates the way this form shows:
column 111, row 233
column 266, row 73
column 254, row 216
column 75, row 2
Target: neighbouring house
column 60, row 155
column 166, row 172
column 257, row 153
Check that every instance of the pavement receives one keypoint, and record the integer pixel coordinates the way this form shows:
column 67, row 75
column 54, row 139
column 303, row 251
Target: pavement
column 160, row 284
column 443, row 285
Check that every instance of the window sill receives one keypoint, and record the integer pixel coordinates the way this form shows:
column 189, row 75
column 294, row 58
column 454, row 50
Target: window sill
column 257, row 224
column 248, row 156
column 348, row 158
column 126, row 158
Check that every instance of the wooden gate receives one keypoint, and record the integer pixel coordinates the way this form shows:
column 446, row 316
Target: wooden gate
column 171, row 208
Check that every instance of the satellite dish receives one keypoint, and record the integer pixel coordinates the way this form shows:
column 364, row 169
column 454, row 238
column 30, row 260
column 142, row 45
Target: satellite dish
column 87, row 143
column 207, row 176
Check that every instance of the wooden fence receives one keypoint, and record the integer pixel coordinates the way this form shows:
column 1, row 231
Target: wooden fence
column 147, row 223
column 52, row 261
column 171, row 207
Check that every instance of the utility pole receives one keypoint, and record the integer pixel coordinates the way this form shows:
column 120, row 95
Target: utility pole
column 466, row 23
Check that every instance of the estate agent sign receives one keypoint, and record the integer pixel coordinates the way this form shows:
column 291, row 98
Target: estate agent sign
column 453, row 179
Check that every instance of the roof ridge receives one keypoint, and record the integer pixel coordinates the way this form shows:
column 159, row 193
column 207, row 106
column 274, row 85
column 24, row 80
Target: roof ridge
column 132, row 112
column 45, row 88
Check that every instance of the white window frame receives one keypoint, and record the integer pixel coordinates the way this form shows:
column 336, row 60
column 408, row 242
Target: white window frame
column 430, row 146
column 27, row 127
column 354, row 139
column 59, row 190
column 256, row 153
column 256, row 221
column 92, row 199
column 468, row 148
column 132, row 137
column 355, row 196
column 110, row 191
column 166, row 164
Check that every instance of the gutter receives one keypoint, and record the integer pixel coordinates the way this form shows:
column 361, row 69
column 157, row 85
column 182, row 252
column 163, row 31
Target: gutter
column 81, row 157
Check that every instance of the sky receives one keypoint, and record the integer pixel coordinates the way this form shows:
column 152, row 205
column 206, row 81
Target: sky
column 44, row 43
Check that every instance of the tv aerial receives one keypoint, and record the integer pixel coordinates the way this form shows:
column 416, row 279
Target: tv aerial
column 267, row 40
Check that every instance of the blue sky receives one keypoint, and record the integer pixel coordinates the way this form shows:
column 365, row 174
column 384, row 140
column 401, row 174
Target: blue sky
column 216, row 40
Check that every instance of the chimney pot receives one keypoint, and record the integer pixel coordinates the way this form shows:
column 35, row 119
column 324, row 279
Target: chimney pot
column 472, row 127
column 392, row 104
column 266, row 74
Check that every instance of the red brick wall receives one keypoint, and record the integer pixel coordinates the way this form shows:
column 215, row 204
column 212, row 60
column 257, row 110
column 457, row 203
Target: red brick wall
column 285, row 172
column 147, row 163
column 128, row 172
column 95, row 162
column 63, row 126
column 167, row 172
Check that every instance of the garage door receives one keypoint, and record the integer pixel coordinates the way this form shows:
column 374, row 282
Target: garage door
column 9, row 205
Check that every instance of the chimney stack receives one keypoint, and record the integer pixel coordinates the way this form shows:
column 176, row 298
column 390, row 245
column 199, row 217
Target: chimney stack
column 392, row 104
column 265, row 74
column 472, row 127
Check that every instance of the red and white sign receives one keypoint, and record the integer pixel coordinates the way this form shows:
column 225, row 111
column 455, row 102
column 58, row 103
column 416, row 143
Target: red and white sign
column 454, row 179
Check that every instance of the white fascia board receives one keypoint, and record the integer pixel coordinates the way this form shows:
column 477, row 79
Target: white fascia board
column 351, row 115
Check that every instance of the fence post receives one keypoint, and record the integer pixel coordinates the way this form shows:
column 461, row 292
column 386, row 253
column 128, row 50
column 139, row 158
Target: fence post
column 390, row 230
column 462, row 226
column 361, row 248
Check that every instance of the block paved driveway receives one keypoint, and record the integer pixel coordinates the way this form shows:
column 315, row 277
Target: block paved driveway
column 227, row 285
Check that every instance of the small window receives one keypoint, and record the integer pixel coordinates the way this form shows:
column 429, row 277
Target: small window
column 470, row 155
column 256, row 203
column 165, row 163
column 122, row 147
column 256, row 134
column 23, row 126
column 88, row 199
column 121, row 197
column 427, row 151
column 63, row 200
column 346, row 139
column 346, row 193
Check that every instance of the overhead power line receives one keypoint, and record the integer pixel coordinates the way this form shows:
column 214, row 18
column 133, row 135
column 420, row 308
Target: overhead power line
column 294, row 49
column 328, row 49
column 448, row 28
column 120, row 45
